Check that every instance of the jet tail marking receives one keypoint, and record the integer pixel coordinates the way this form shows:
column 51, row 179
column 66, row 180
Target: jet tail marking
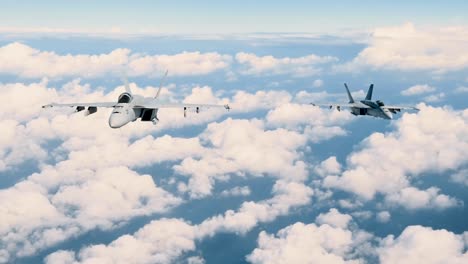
column 351, row 100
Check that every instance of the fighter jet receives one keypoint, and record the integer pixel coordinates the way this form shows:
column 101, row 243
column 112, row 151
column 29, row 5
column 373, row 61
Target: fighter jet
column 368, row 107
column 129, row 107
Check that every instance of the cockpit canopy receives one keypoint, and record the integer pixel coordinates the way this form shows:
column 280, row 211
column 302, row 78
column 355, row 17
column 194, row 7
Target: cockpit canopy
column 380, row 103
column 125, row 98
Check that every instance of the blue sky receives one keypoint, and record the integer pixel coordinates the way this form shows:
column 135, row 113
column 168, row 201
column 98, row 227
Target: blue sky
column 273, row 179
column 224, row 17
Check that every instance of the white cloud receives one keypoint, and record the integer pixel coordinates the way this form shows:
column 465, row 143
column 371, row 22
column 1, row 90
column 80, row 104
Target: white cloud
column 300, row 243
column 185, row 63
column 61, row 257
column 460, row 177
column 334, row 218
column 195, row 260
column 434, row 98
column 327, row 167
column 164, row 241
column 418, row 89
column 383, row 217
column 73, row 204
column 161, row 241
column 292, row 115
column 435, row 140
column 237, row 191
column 318, row 124
column 317, row 83
column 399, row 48
column 362, row 214
column 418, row 244
column 246, row 102
column 287, row 195
column 413, row 198
column 301, row 66
column 243, row 146
column 461, row 89
column 25, row 61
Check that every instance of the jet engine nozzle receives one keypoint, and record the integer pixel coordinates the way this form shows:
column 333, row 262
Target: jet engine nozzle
column 91, row 110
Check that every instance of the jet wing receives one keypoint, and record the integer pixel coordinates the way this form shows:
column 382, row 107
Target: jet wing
column 333, row 105
column 102, row 104
column 399, row 107
column 156, row 105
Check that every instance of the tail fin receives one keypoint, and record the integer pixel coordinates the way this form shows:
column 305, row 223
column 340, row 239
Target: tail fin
column 351, row 100
column 126, row 85
column 369, row 92
column 161, row 84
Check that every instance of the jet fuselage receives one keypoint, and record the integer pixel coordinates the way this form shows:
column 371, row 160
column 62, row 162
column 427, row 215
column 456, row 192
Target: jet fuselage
column 375, row 109
column 125, row 111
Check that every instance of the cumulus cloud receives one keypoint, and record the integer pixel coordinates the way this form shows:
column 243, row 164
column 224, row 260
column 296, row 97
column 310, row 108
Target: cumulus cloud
column 399, row 48
column 269, row 65
column 334, row 218
column 327, row 167
column 246, row 146
column 435, row 140
column 237, row 191
column 287, row 195
column 418, row 89
column 246, row 102
column 383, row 217
column 460, row 177
column 317, row 83
column 301, row 243
column 318, row 124
column 293, row 115
column 20, row 59
column 418, row 244
column 73, row 205
column 413, row 198
column 161, row 241
column 434, row 98
column 164, row 241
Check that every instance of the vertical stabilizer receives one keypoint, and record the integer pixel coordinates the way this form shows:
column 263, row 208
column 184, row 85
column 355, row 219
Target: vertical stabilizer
column 369, row 92
column 126, row 85
column 351, row 100
column 161, row 84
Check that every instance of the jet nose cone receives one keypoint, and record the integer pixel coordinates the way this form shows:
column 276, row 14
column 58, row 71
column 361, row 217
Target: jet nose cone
column 117, row 120
column 388, row 115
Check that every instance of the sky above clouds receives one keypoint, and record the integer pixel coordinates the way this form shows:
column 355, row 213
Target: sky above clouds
column 208, row 16
column 275, row 179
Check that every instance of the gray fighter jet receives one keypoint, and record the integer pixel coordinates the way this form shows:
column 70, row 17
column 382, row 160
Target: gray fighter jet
column 129, row 107
column 367, row 106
